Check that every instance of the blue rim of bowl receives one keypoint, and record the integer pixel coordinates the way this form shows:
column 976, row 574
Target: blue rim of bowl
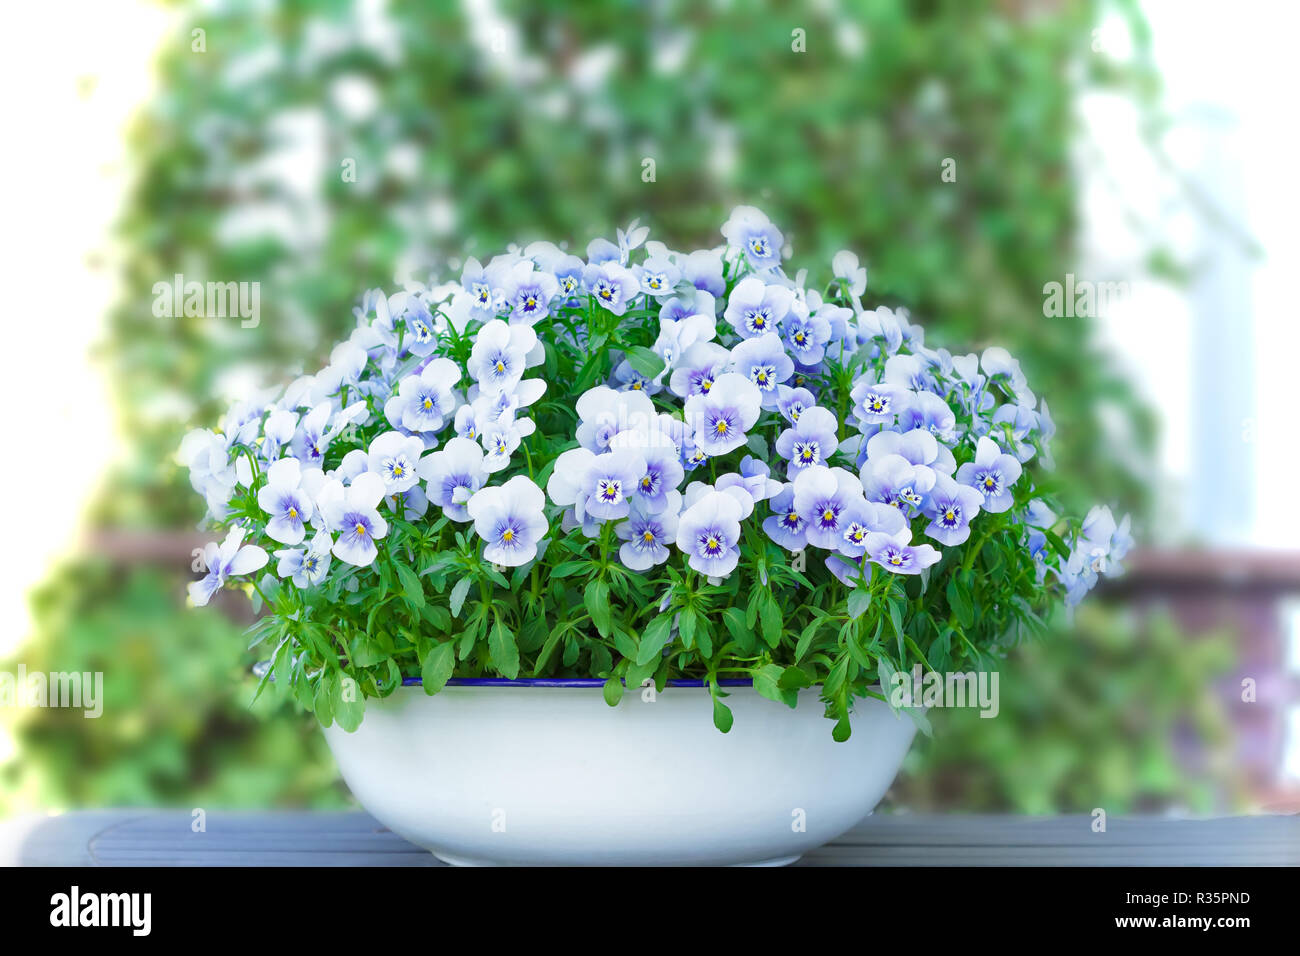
column 584, row 682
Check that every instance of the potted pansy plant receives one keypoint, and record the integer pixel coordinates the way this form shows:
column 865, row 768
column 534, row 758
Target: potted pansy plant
column 533, row 538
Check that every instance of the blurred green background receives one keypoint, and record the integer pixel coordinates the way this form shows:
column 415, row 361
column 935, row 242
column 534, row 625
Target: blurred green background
column 472, row 126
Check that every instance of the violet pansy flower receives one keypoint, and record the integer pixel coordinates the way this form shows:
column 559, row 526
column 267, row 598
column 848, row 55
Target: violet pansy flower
column 822, row 497
column 810, row 441
column 510, row 520
column 709, row 534
column 646, row 537
column 395, row 458
column 950, row 508
column 895, row 553
column 756, row 308
column 452, row 475
column 285, row 501
column 353, row 514
column 992, row 474
column 224, row 561
column 308, row 565
column 763, row 361
column 750, row 231
column 720, row 417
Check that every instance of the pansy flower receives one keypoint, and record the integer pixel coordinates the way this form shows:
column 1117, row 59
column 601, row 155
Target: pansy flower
column 918, row 446
column 604, row 412
column 806, row 335
column 499, row 440
column 763, row 361
column 785, row 525
column 287, row 504
column 703, row 269
column 307, row 565
column 224, row 561
column 500, row 355
column 878, row 403
column 756, row 308
column 709, row 534
column 751, row 232
column 610, row 482
column 698, row 368
column 926, row 410
column 628, row 379
column 1013, row 427
column 353, row 514
column 657, row 276
column 720, row 417
column 395, row 458
column 510, row 520
column 646, row 536
column 809, row 441
column 791, row 402
column 992, row 474
column 755, row 477
column 611, row 285
column 852, row 276
column 822, row 497
column 950, row 508
column 896, row 554
column 893, row 480
column 568, row 482
column 423, row 402
column 453, row 474
column 863, row 517
column 663, row 466
column 528, row 293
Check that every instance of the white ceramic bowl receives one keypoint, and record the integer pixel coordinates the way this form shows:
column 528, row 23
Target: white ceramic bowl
column 517, row 773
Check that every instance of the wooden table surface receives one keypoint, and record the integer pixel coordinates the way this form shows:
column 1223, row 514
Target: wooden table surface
column 286, row 838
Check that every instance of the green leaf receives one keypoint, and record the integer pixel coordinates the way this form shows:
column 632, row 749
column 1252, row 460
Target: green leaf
column 645, row 361
column 767, row 681
column 771, row 619
column 596, row 599
column 458, row 595
column 859, row 601
column 806, row 639
column 722, row 716
column 794, row 678
column 842, row 729
column 323, row 702
column 503, row 650
column 959, row 601
column 437, row 667
column 686, row 627
column 734, row 620
column 613, row 691
column 654, row 638
column 349, row 705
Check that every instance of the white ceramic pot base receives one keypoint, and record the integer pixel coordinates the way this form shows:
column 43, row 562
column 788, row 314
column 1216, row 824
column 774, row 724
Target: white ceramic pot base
column 452, row 860
column 554, row 776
